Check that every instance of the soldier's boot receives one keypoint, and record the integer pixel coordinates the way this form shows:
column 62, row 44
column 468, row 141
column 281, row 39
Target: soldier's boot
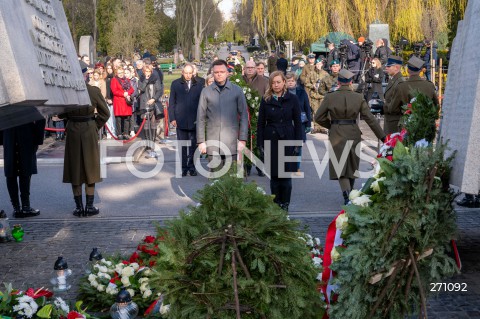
column 345, row 197
column 468, row 201
column 90, row 210
column 27, row 210
column 79, row 211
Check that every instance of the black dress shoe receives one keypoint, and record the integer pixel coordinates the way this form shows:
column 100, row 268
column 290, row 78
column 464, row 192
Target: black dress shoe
column 26, row 212
column 184, row 173
column 260, row 172
column 193, row 173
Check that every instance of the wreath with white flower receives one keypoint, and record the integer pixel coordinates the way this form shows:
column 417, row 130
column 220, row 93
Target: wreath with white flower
column 99, row 288
column 253, row 101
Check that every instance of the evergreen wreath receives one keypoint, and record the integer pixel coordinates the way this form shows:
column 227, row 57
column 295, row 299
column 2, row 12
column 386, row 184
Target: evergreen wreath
column 253, row 101
column 236, row 254
column 398, row 228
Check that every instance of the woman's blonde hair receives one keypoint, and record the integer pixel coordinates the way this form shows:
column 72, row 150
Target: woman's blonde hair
column 378, row 64
column 147, row 67
column 209, row 77
column 268, row 95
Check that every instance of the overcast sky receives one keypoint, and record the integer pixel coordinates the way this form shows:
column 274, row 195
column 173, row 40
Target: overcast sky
column 226, row 7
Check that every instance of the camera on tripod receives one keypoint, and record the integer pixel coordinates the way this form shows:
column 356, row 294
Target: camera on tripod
column 417, row 48
column 400, row 46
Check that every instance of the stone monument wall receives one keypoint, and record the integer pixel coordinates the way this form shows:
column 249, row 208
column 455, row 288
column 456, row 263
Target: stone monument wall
column 39, row 62
column 379, row 31
column 460, row 124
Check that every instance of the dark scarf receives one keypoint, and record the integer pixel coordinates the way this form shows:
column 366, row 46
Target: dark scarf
column 124, row 82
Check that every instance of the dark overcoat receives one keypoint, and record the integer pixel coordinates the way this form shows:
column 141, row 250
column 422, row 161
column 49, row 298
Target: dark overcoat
column 149, row 89
column 183, row 103
column 304, row 104
column 344, row 104
column 82, row 154
column 20, row 145
column 279, row 120
column 393, row 106
column 222, row 117
column 408, row 89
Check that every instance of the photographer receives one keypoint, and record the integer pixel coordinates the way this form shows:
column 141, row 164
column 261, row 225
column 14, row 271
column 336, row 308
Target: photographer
column 333, row 54
column 352, row 56
column 374, row 77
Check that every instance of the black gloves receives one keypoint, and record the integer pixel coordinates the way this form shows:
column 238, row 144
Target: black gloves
column 383, row 139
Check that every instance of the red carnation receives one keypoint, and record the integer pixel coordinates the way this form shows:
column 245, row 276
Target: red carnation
column 134, row 258
column 149, row 239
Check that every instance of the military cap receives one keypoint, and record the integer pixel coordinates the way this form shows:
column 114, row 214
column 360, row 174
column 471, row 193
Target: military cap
column 334, row 62
column 345, row 76
column 392, row 60
column 311, row 55
column 327, row 41
column 318, row 61
column 234, row 53
column 415, row 64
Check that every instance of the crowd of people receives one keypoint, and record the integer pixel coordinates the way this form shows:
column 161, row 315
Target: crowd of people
column 211, row 114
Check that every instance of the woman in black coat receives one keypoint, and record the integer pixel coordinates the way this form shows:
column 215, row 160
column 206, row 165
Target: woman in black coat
column 374, row 77
column 20, row 145
column 279, row 119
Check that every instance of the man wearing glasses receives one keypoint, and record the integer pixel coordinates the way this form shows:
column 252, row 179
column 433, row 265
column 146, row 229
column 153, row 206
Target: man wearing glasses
column 258, row 83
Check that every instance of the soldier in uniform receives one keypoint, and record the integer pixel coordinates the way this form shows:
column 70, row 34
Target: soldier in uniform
column 272, row 62
column 307, row 69
column 392, row 107
column 329, row 83
column 312, row 84
column 407, row 89
column 339, row 112
column 82, row 154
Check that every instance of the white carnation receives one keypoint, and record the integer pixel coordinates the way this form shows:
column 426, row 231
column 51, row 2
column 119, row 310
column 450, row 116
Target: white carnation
column 363, row 200
column 317, row 262
column 103, row 269
column 147, row 293
column 131, row 292
column 335, row 254
column 354, row 194
column 342, row 221
column 143, row 279
column 126, row 281
column 135, row 266
column 128, row 271
column 164, row 309
column 376, row 186
column 92, row 277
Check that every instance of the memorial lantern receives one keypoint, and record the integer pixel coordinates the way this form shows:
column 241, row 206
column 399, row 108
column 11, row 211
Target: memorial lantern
column 95, row 257
column 61, row 275
column 124, row 307
column 18, row 232
column 4, row 228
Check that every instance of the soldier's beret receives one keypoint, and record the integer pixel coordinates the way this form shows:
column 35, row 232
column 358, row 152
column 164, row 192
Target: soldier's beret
column 345, row 76
column 334, row 62
column 415, row 64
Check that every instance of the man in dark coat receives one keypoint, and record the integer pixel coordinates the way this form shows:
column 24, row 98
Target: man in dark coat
column 182, row 111
column 258, row 83
column 333, row 55
column 82, row 154
column 393, row 107
column 339, row 112
column 222, row 116
column 282, row 63
column 20, row 145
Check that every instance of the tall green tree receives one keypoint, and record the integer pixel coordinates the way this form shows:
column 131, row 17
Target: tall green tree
column 150, row 29
column 105, row 20
column 80, row 16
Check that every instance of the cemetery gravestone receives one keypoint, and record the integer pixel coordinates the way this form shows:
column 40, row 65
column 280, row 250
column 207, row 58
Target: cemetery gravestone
column 377, row 31
column 461, row 103
column 85, row 47
column 39, row 62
